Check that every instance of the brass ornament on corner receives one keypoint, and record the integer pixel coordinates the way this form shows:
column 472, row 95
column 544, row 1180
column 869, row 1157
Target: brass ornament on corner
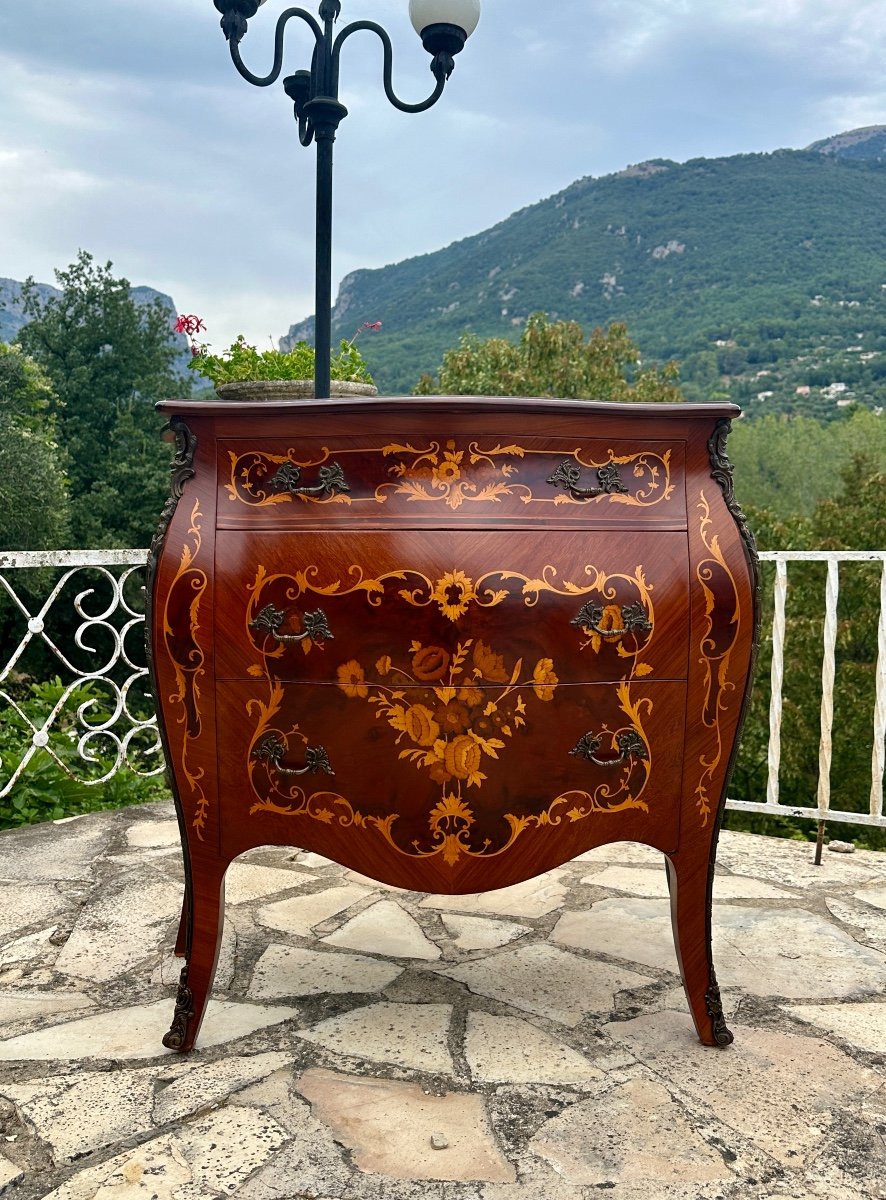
column 315, row 626
column 723, row 1036
column 568, row 477
column 183, row 1014
column 629, row 742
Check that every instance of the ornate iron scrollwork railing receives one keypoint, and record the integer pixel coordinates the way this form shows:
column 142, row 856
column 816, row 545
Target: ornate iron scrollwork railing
column 83, row 617
column 98, row 596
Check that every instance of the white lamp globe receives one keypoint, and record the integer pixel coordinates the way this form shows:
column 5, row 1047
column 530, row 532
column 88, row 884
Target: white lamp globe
column 463, row 13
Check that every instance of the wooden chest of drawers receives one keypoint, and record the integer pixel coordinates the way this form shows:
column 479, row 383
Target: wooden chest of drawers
column 450, row 643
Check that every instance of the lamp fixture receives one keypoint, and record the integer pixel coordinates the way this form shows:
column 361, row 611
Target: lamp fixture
column 443, row 26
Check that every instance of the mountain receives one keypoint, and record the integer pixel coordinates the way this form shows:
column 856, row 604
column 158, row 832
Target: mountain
column 759, row 272
column 12, row 317
column 867, row 143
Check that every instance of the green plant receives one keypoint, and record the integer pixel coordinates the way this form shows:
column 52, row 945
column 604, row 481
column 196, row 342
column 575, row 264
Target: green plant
column 243, row 362
column 107, row 356
column 553, row 358
column 48, row 791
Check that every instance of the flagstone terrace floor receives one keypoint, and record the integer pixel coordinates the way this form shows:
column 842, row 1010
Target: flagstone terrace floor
column 369, row 1044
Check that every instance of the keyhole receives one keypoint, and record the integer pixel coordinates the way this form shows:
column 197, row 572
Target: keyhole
column 454, row 594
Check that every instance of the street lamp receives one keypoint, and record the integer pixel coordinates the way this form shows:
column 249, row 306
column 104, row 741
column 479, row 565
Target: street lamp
column 443, row 26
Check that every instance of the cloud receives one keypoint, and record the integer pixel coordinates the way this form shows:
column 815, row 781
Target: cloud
column 127, row 131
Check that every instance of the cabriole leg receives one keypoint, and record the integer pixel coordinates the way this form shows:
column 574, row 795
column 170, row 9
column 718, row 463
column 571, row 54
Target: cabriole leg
column 690, row 882
column 181, row 938
column 203, row 936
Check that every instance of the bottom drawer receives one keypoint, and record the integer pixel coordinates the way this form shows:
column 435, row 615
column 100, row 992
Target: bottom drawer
column 432, row 791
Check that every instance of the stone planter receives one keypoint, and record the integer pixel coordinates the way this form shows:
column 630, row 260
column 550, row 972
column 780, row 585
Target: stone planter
column 257, row 390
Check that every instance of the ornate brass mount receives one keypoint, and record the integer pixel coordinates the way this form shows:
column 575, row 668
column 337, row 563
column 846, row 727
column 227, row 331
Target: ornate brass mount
column 723, row 1036
column 184, row 1011
column 288, row 479
column 271, row 750
column 634, row 619
column 629, row 743
column 314, row 626
column 568, row 476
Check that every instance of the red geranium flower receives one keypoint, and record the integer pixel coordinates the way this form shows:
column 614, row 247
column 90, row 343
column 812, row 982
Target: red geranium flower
column 190, row 324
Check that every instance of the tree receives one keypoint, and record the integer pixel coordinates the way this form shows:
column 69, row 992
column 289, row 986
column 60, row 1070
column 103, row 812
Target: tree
column 787, row 465
column 853, row 520
column 109, row 359
column 34, row 504
column 553, row 358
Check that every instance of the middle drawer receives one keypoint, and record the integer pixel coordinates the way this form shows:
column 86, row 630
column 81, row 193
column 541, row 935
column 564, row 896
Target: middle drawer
column 451, row 609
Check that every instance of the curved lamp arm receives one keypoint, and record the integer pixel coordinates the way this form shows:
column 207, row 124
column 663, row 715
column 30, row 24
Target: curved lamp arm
column 441, row 66
column 282, row 20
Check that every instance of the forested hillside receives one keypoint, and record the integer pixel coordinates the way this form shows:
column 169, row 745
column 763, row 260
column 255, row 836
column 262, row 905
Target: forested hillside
column 763, row 274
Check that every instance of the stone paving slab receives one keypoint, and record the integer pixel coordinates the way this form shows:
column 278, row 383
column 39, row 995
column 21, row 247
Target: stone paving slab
column 366, row 1043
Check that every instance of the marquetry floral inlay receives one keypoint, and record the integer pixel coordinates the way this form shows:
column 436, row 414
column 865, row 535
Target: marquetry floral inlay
column 187, row 658
column 473, row 702
column 626, row 626
column 453, row 475
column 723, row 619
column 451, row 716
column 446, row 472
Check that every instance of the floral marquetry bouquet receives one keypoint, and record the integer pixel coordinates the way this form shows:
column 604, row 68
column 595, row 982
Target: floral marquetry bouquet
column 452, row 710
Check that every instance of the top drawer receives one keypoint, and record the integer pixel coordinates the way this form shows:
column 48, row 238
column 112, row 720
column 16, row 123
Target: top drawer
column 308, row 482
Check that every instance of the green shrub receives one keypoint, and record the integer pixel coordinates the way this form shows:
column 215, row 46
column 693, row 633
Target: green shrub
column 47, row 791
column 241, row 362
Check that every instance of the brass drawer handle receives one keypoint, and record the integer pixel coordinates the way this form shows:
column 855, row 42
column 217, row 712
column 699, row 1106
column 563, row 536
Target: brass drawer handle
column 634, row 619
column 314, row 626
column 568, row 476
column 288, row 479
column 271, row 750
column 630, row 744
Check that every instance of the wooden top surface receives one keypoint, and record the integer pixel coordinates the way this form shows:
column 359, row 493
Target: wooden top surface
column 454, row 404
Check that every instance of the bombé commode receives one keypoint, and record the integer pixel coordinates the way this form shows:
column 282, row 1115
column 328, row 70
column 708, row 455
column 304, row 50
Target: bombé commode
column 450, row 643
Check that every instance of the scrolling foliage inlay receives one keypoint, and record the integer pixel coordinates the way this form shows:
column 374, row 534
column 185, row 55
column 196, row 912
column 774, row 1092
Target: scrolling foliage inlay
column 628, row 626
column 451, row 715
column 187, row 658
column 445, row 472
column 722, row 622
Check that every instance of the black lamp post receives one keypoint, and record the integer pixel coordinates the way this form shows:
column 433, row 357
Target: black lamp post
column 443, row 25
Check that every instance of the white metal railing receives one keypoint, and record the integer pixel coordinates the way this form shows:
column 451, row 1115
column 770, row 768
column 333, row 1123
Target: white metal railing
column 131, row 734
column 104, row 701
column 822, row 810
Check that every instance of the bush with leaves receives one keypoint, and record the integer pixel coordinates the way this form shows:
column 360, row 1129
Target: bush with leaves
column 108, row 359
column 854, row 520
column 34, row 504
column 47, row 791
column 553, row 358
column 242, row 362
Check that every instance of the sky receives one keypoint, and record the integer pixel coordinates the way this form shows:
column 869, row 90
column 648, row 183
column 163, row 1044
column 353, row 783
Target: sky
column 126, row 131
